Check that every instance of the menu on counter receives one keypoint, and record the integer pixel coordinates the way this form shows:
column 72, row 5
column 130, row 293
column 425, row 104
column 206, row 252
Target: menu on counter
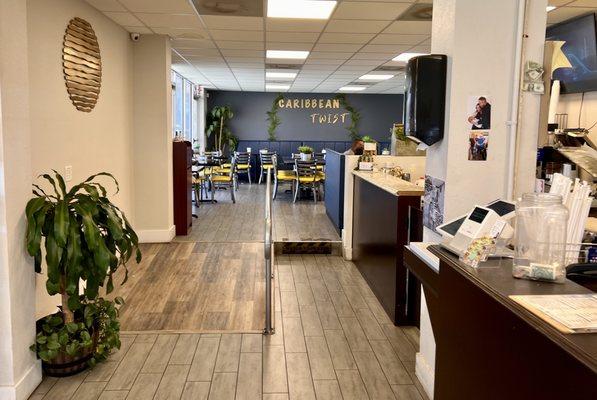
column 569, row 313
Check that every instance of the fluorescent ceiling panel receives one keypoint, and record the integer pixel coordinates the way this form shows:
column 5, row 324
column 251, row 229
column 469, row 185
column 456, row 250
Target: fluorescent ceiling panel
column 271, row 86
column 294, row 54
column 550, row 8
column 308, row 9
column 280, row 75
column 375, row 77
column 352, row 88
column 404, row 57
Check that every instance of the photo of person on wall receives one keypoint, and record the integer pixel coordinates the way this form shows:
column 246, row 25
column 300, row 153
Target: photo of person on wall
column 478, row 143
column 481, row 116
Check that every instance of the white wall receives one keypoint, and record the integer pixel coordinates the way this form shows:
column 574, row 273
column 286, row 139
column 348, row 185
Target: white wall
column 570, row 104
column 61, row 135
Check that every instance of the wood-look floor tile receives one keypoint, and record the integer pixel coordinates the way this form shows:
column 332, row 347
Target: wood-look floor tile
column 172, row 383
column 114, row 395
column 275, row 396
column 223, row 386
column 36, row 397
column 274, row 370
column 45, row 385
column 251, row 343
column 377, row 310
column 319, row 358
column 354, row 335
column 64, row 388
column 412, row 334
column 102, row 372
column 185, row 348
column 290, row 306
column 89, row 391
column 144, row 387
column 327, row 315
column 341, row 304
column 406, row 392
column 160, row 354
column 125, row 345
column 351, row 385
column 327, row 390
column 205, row 359
column 294, row 339
column 320, row 291
column 300, row 384
column 339, row 350
column 299, row 273
column 196, row 391
column 286, row 282
column 330, row 280
column 369, row 324
column 277, row 339
column 228, row 353
column 146, row 338
column 129, row 367
column 249, row 377
column 401, row 345
column 310, row 319
column 391, row 365
column 375, row 381
column 304, row 294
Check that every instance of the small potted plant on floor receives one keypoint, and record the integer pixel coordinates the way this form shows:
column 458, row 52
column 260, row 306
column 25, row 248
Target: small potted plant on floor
column 306, row 153
column 85, row 239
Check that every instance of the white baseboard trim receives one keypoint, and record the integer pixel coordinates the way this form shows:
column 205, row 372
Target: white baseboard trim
column 425, row 374
column 23, row 389
column 347, row 253
column 156, row 235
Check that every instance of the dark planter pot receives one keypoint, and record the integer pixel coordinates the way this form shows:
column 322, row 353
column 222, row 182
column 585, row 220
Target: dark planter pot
column 65, row 365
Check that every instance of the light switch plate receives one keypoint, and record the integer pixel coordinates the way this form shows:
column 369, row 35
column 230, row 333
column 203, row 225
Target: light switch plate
column 68, row 173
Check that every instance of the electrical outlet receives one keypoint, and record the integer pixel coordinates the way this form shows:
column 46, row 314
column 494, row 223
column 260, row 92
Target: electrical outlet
column 68, row 173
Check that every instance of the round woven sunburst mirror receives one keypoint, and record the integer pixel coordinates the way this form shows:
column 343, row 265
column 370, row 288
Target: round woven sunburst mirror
column 82, row 64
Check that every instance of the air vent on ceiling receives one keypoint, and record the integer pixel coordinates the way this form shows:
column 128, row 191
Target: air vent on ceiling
column 418, row 12
column 388, row 68
column 283, row 66
column 241, row 8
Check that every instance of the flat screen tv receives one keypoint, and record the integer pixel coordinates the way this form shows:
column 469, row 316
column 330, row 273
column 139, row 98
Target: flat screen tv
column 581, row 50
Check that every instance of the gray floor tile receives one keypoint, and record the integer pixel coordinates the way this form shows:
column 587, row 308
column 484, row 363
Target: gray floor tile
column 339, row 350
column 223, row 386
column 351, row 385
column 274, row 370
column 300, row 384
column 319, row 358
column 327, row 390
column 196, row 391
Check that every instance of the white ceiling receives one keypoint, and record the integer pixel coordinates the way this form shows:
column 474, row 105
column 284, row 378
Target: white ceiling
column 228, row 52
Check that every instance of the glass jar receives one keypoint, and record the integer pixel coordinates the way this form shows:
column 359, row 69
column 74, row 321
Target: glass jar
column 541, row 225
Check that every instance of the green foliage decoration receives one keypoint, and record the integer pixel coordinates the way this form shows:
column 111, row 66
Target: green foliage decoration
column 355, row 116
column 305, row 149
column 273, row 119
column 217, row 125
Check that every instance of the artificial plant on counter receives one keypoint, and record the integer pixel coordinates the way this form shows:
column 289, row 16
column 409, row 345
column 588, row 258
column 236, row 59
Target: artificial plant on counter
column 85, row 238
column 273, row 119
column 355, row 116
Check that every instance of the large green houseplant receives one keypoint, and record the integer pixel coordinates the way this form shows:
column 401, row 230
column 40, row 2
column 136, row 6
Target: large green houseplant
column 218, row 126
column 85, row 238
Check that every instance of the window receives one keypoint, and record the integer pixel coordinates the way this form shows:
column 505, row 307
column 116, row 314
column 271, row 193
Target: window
column 183, row 120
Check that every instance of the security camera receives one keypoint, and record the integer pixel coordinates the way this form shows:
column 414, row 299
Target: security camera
column 135, row 36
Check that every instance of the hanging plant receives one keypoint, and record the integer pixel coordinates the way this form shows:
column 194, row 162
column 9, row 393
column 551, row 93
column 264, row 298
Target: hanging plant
column 273, row 119
column 355, row 116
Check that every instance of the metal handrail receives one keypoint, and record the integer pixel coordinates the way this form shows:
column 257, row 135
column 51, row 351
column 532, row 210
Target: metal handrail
column 267, row 252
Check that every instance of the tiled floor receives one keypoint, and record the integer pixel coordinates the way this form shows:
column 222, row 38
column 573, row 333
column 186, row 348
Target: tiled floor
column 332, row 341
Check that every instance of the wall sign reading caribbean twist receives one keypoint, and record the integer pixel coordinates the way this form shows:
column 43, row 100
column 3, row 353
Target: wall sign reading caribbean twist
column 82, row 65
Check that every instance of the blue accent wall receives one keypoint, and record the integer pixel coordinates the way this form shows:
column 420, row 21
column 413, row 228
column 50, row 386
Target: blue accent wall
column 378, row 113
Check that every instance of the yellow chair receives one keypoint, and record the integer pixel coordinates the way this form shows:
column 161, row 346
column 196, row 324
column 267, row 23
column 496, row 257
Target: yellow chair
column 243, row 163
column 283, row 176
column 266, row 161
column 227, row 180
column 307, row 177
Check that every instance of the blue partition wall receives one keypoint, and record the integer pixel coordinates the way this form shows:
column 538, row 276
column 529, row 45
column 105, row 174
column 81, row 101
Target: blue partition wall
column 334, row 187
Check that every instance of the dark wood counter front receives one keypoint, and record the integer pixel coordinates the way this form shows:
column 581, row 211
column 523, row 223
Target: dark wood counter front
column 490, row 347
column 380, row 231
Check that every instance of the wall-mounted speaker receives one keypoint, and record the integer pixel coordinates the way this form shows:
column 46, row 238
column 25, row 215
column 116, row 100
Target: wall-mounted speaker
column 425, row 98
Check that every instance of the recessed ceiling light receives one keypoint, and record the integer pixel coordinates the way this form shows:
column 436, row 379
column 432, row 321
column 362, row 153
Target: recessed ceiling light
column 404, row 57
column 280, row 75
column 550, row 8
column 374, row 77
column 309, row 9
column 298, row 55
column 271, row 86
column 352, row 88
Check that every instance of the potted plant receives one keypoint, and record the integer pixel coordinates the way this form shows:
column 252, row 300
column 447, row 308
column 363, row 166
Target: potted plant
column 218, row 125
column 306, row 152
column 369, row 144
column 85, row 238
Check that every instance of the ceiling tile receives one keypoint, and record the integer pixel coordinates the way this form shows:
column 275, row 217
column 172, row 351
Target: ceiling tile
column 231, row 44
column 300, row 37
column 188, row 21
column 181, row 33
column 399, row 39
column 138, row 29
column 563, row 13
column 251, row 66
column 410, row 27
column 350, row 38
column 124, row 18
column 336, row 47
column 158, row 6
column 240, row 36
column 198, row 52
column 236, row 23
column 374, row 56
column 235, row 59
column 334, row 55
column 294, row 25
column 243, row 53
column 385, row 48
column 368, row 63
column 369, row 10
column 581, row 3
column 350, row 26
column 324, row 61
column 107, row 5
column 288, row 46
column 191, row 44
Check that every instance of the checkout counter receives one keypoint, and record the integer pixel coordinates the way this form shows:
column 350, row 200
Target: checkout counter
column 490, row 347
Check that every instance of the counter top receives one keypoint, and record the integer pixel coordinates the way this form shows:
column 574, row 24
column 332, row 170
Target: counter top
column 391, row 184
